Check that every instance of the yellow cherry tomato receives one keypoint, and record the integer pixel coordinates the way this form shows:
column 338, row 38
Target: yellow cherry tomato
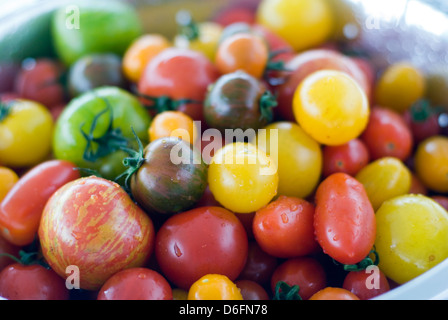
column 214, row 287
column 206, row 42
column 242, row 177
column 302, row 23
column 8, row 179
column 384, row 179
column 26, row 129
column 412, row 236
column 173, row 124
column 331, row 107
column 400, row 86
column 140, row 52
column 431, row 163
column 297, row 155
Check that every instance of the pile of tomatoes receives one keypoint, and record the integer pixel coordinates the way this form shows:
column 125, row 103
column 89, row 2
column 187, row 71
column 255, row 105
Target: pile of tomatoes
column 118, row 181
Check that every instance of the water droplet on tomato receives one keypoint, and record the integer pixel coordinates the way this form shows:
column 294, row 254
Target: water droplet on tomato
column 177, row 250
column 142, row 276
column 284, row 217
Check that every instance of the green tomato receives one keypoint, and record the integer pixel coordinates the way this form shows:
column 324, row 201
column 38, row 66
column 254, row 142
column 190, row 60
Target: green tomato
column 412, row 236
column 94, row 27
column 103, row 104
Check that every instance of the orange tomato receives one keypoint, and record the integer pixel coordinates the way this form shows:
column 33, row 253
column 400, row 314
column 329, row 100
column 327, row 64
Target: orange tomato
column 173, row 124
column 8, row 178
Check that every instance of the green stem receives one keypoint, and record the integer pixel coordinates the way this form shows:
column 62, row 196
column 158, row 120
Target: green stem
column 187, row 26
column 283, row 291
column 363, row 264
column 5, row 110
column 267, row 102
column 165, row 103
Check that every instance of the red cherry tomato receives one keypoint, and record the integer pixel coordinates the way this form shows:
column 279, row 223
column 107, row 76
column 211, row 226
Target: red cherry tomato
column 344, row 221
column 259, row 265
column 39, row 80
column 201, row 241
column 387, row 135
column 348, row 158
column 21, row 209
column 423, row 121
column 31, row 282
column 284, row 228
column 306, row 272
column 251, row 290
column 366, row 284
column 136, row 284
column 179, row 74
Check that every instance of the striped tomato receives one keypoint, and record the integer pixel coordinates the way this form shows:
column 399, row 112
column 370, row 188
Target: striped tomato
column 93, row 224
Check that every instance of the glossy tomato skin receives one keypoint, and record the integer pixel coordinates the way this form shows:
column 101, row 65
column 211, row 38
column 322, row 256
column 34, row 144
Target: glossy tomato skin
column 179, row 74
column 21, row 209
column 284, row 228
column 349, row 158
column 214, row 287
column 305, row 63
column 387, row 134
column 92, row 223
column 306, row 272
column 344, row 219
column 259, row 265
column 366, row 284
column 201, row 241
column 136, row 284
column 31, row 282
column 334, row 293
column 234, row 102
column 251, row 290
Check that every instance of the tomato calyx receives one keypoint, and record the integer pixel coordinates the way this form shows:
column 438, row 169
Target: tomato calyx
column 284, row 291
column 187, row 26
column 421, row 110
column 364, row 263
column 111, row 141
column 5, row 109
column 164, row 103
column 267, row 102
column 273, row 66
column 26, row 258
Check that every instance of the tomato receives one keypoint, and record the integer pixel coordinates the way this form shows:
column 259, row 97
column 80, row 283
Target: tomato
column 31, row 282
column 384, row 179
column 239, row 11
column 142, row 50
column 334, row 293
column 259, row 265
column 95, row 70
column 7, row 249
column 297, row 155
column 245, row 51
column 399, row 86
column 182, row 75
column 194, row 243
column 442, row 200
column 39, row 81
column 423, row 120
column 349, row 158
column 21, row 209
column 108, row 115
column 203, row 37
column 331, row 107
column 431, row 163
column 94, row 27
column 237, row 100
column 344, row 219
column 173, row 124
column 284, row 228
column 251, row 290
column 8, row 179
column 412, row 233
column 214, row 287
column 291, row 19
column 387, row 135
column 92, row 223
column 8, row 74
column 366, row 284
column 305, row 272
column 242, row 177
column 171, row 178
column 307, row 62
column 26, row 128
column 136, row 284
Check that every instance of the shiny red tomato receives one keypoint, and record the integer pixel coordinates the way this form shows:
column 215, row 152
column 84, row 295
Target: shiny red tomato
column 31, row 282
column 251, row 290
column 259, row 265
column 201, row 241
column 366, row 284
column 423, row 120
column 136, row 284
column 179, row 74
column 387, row 134
column 92, row 223
column 348, row 158
column 284, row 228
column 306, row 272
column 344, row 220
column 21, row 209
